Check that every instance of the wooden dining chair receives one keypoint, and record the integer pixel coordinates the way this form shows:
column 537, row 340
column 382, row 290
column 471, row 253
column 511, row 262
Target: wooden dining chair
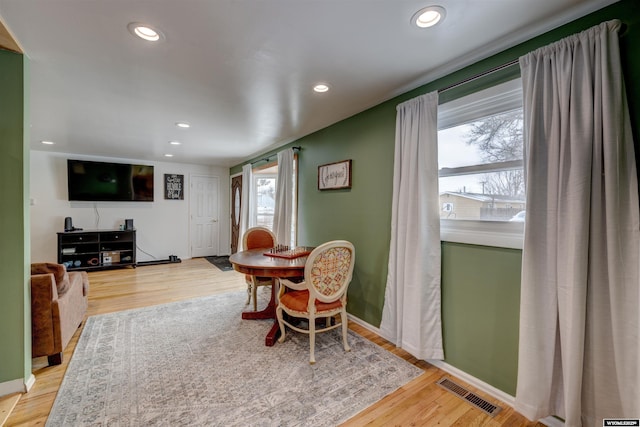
column 254, row 238
column 322, row 294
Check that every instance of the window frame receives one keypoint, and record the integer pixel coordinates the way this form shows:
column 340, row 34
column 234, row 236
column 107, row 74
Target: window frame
column 269, row 165
column 257, row 174
column 496, row 99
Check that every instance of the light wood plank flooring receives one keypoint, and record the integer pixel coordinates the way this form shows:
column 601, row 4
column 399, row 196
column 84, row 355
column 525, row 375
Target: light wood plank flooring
column 418, row 403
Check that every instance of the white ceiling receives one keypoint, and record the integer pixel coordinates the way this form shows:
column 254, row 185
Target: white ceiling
column 241, row 71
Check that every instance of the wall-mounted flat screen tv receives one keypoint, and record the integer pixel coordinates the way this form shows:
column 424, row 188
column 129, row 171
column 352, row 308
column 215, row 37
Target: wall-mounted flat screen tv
column 113, row 182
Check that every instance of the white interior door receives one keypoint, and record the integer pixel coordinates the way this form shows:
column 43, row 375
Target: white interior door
column 204, row 216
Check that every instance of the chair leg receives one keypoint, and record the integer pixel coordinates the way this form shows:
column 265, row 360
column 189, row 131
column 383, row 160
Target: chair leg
column 248, row 293
column 54, row 359
column 312, row 340
column 280, row 323
column 345, row 328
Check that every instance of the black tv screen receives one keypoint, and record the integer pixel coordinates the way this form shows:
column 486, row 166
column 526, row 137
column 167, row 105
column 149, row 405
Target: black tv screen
column 101, row 181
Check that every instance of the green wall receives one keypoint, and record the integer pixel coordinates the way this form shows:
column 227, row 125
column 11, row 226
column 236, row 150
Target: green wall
column 361, row 214
column 480, row 285
column 15, row 335
column 480, row 309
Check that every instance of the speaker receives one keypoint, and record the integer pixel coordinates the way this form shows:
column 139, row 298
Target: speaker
column 68, row 224
column 128, row 224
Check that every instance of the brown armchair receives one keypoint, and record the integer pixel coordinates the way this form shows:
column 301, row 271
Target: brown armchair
column 59, row 301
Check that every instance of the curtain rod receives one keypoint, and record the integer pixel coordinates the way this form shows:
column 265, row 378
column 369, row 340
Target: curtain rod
column 621, row 32
column 266, row 159
column 477, row 76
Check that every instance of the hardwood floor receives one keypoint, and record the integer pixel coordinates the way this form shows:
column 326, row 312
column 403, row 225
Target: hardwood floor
column 418, row 403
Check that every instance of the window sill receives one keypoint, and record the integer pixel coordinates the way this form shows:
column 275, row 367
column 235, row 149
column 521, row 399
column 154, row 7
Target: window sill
column 502, row 234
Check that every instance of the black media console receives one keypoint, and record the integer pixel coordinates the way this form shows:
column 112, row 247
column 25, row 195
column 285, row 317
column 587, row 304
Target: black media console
column 98, row 249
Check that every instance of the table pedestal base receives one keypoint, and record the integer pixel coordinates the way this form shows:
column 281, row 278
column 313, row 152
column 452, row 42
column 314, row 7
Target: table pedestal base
column 254, row 263
column 268, row 313
column 272, row 335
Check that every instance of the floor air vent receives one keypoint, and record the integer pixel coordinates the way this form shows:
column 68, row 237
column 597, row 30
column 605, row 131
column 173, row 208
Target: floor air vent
column 470, row 397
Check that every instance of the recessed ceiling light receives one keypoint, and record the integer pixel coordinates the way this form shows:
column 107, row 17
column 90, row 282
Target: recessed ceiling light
column 428, row 16
column 47, row 142
column 168, row 155
column 175, row 142
column 145, row 32
column 183, row 125
column 321, row 88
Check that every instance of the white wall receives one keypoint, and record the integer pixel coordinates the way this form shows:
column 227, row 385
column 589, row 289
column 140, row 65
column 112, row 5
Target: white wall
column 162, row 225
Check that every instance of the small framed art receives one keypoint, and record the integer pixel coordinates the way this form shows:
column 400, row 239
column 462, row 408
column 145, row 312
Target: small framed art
column 333, row 176
column 173, row 187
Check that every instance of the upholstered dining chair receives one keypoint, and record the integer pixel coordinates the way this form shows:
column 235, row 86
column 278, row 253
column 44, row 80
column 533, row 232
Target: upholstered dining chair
column 254, row 238
column 322, row 294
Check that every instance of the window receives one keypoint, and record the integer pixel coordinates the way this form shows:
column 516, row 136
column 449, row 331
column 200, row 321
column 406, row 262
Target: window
column 264, row 187
column 265, row 179
column 481, row 176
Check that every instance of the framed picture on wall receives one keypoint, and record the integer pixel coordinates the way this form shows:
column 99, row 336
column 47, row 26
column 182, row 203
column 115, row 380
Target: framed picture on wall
column 333, row 176
column 173, row 187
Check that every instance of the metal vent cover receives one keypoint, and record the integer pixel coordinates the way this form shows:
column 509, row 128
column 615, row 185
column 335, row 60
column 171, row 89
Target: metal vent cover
column 475, row 400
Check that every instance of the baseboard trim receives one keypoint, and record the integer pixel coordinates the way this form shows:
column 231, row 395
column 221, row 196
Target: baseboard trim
column 479, row 384
column 30, row 382
column 498, row 394
column 552, row 422
column 19, row 385
column 364, row 324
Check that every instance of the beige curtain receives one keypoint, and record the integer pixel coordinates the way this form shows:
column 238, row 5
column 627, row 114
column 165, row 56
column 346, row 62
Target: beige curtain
column 411, row 315
column 247, row 210
column 283, row 220
column 579, row 355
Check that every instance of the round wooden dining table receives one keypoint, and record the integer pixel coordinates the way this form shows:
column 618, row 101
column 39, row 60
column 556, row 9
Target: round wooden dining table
column 254, row 262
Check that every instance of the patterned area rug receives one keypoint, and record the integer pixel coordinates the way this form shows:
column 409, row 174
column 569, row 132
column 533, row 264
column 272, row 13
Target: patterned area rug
column 197, row 363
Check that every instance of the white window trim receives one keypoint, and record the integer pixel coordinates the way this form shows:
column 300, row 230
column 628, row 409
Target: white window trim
column 496, row 99
column 503, row 234
column 485, row 233
column 484, row 168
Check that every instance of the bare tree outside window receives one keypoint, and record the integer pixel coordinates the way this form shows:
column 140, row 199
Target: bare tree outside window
column 265, row 188
column 499, row 139
column 481, row 168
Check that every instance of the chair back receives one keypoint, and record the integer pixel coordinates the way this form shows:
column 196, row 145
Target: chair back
column 258, row 237
column 329, row 269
